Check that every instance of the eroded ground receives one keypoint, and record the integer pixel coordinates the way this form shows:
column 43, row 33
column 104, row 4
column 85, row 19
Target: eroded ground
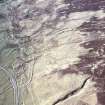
column 52, row 52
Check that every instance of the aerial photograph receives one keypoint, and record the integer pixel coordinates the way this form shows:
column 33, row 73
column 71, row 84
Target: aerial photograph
column 52, row 52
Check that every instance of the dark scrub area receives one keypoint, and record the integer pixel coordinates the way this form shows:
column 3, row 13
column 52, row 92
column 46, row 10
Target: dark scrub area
column 1, row 1
column 89, row 63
